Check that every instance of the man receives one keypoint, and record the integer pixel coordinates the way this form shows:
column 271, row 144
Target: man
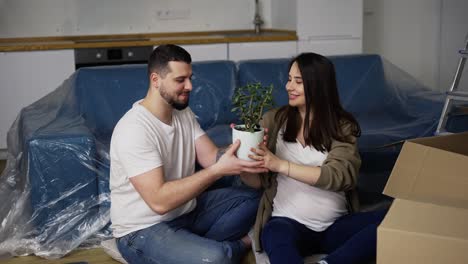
column 159, row 211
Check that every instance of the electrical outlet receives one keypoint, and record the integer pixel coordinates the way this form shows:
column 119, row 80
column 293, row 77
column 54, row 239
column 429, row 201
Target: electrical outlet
column 172, row 13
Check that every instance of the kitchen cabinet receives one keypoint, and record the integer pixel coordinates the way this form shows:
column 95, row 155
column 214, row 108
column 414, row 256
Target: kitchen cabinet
column 27, row 76
column 330, row 27
column 338, row 18
column 329, row 47
column 204, row 52
column 262, row 50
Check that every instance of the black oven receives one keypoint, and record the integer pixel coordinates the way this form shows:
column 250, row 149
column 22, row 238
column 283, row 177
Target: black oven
column 111, row 56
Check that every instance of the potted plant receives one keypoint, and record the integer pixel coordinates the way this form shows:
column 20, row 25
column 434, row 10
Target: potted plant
column 250, row 101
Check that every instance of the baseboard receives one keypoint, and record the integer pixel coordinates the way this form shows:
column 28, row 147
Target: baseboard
column 3, row 154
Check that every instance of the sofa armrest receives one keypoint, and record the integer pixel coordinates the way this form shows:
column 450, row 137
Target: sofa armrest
column 62, row 175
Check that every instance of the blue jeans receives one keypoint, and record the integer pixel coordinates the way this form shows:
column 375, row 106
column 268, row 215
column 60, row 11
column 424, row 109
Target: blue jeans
column 351, row 239
column 208, row 234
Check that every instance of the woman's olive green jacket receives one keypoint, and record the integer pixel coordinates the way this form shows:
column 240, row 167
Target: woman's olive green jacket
column 339, row 172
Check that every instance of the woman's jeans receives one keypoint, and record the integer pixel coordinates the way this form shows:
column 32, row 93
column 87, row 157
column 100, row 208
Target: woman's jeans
column 208, row 234
column 351, row 239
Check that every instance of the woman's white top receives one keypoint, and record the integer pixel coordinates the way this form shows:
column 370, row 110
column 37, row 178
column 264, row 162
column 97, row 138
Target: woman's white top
column 315, row 208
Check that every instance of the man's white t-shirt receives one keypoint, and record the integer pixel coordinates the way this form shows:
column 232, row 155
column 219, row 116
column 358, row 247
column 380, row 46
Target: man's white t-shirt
column 141, row 142
column 311, row 206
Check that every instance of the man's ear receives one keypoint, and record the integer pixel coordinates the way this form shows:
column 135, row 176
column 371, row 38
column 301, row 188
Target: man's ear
column 155, row 80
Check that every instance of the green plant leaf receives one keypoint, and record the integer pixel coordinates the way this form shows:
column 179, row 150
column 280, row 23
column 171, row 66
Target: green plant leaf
column 250, row 101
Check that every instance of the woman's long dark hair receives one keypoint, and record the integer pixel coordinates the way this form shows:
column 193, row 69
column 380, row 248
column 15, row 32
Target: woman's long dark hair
column 322, row 101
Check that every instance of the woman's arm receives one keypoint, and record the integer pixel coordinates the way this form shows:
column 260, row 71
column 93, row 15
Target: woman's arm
column 302, row 173
column 338, row 172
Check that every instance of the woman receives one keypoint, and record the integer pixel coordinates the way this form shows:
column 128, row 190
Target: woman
column 309, row 199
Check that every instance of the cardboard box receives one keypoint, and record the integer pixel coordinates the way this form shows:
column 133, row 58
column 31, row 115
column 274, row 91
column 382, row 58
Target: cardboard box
column 428, row 220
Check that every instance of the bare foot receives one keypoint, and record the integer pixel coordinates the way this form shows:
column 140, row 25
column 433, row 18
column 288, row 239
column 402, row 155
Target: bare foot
column 247, row 241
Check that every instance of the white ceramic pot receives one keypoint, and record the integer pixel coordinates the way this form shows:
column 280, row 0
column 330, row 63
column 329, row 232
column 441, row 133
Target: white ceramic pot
column 248, row 140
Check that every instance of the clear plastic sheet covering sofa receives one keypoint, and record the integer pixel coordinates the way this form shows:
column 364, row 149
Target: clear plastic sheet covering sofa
column 54, row 192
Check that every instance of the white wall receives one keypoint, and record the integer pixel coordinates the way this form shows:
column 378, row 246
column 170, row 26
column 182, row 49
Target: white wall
column 27, row 76
column 28, row 18
column 330, row 27
column 407, row 33
column 283, row 14
column 420, row 36
column 329, row 19
column 453, row 36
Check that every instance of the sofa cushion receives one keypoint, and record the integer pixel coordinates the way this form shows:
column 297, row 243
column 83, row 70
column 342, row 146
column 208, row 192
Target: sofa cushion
column 221, row 135
column 266, row 71
column 105, row 93
column 58, row 189
column 213, row 86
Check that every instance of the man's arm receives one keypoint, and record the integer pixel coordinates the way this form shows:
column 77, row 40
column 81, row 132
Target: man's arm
column 206, row 151
column 163, row 196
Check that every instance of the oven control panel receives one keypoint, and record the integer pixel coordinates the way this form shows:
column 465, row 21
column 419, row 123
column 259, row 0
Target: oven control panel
column 111, row 56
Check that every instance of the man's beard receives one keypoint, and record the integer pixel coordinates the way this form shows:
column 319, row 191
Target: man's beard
column 179, row 106
column 172, row 102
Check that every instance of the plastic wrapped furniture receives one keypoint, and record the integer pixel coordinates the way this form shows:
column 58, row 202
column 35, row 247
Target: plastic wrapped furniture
column 54, row 191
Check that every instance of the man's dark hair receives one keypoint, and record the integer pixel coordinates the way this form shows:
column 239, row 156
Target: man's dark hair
column 322, row 101
column 162, row 55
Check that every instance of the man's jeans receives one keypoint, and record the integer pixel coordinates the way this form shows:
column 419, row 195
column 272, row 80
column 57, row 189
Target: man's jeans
column 208, row 234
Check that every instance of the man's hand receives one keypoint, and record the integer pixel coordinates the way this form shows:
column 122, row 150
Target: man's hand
column 229, row 164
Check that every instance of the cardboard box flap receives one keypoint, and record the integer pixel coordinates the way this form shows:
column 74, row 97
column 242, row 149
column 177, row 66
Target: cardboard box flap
column 432, row 170
column 456, row 143
column 427, row 219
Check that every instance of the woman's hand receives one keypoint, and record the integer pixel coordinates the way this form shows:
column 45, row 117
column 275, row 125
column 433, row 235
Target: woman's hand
column 271, row 161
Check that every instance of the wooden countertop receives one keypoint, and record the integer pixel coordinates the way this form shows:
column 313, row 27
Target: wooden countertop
column 149, row 39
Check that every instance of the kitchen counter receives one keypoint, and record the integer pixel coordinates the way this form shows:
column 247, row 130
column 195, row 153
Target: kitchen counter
column 147, row 39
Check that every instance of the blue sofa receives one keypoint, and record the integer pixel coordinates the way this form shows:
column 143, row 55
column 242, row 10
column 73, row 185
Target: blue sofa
column 61, row 142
